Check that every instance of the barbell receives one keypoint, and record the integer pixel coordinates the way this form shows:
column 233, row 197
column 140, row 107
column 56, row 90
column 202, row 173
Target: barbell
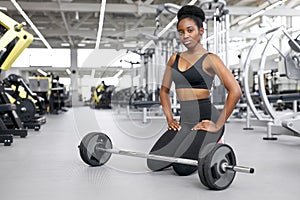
column 216, row 170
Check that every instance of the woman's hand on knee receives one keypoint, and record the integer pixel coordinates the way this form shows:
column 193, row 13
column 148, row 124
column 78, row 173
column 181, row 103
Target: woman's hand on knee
column 206, row 125
column 174, row 125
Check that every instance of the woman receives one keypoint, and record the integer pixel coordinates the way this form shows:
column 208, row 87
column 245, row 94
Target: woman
column 193, row 72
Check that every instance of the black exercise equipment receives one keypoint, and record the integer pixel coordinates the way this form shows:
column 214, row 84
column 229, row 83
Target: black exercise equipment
column 52, row 91
column 293, row 43
column 6, row 139
column 139, row 95
column 8, row 112
column 26, row 110
column 57, row 97
column 18, row 83
column 27, row 113
column 216, row 171
column 6, row 136
column 101, row 96
column 13, row 40
column 30, row 106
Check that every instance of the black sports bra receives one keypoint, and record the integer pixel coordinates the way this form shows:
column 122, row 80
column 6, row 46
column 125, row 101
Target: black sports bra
column 194, row 77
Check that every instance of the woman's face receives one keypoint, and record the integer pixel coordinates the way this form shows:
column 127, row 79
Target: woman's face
column 189, row 33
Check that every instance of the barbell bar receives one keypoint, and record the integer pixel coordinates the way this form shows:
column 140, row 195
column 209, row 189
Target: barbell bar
column 224, row 165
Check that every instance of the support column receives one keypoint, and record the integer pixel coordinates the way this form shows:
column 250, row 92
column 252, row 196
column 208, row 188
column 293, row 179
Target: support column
column 74, row 79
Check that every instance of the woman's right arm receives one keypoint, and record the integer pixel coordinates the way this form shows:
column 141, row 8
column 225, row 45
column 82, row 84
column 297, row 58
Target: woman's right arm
column 164, row 95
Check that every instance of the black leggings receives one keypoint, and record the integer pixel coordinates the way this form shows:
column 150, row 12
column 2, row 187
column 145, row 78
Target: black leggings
column 187, row 143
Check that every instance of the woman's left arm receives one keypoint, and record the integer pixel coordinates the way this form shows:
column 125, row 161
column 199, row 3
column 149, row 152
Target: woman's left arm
column 215, row 65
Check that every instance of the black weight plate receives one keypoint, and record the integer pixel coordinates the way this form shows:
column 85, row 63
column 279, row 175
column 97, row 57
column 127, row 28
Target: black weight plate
column 83, row 148
column 89, row 151
column 25, row 109
column 201, row 159
column 217, row 179
column 201, row 172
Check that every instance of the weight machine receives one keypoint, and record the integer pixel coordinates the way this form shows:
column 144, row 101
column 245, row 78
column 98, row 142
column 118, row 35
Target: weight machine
column 289, row 123
column 30, row 106
column 13, row 40
column 101, row 96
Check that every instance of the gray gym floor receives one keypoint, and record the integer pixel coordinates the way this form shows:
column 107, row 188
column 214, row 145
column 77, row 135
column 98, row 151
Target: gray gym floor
column 46, row 164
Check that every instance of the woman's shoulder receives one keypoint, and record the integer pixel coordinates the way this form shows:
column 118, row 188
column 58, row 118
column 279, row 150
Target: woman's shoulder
column 173, row 58
column 212, row 55
column 213, row 61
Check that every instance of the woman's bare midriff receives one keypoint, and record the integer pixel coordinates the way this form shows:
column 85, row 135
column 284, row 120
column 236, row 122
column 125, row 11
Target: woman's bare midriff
column 187, row 94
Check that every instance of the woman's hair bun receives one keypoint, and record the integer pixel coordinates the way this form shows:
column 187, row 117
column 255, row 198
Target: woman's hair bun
column 190, row 10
